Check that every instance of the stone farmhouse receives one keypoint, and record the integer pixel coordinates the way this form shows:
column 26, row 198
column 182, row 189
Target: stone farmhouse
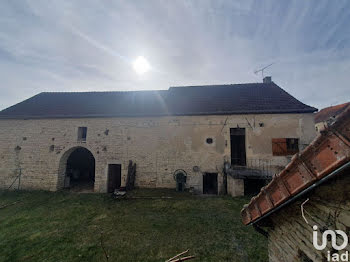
column 327, row 115
column 310, row 196
column 56, row 140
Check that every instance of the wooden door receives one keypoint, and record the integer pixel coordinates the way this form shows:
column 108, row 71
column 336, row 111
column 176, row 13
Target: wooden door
column 114, row 177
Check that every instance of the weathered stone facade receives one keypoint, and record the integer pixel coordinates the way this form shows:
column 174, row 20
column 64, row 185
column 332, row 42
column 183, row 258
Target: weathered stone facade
column 290, row 237
column 235, row 187
column 158, row 145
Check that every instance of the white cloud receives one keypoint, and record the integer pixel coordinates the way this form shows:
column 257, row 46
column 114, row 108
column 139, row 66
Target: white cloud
column 89, row 45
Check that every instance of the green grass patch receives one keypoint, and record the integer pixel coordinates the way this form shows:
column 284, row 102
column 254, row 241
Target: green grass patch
column 62, row 226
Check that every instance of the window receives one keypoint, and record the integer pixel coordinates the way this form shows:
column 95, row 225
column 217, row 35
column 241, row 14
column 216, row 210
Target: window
column 292, row 145
column 209, row 140
column 82, row 132
column 285, row 146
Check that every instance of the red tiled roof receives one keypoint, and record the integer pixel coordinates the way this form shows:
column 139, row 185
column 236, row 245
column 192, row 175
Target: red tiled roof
column 326, row 153
column 329, row 112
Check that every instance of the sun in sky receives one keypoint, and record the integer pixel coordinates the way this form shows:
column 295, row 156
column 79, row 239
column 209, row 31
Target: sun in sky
column 141, row 65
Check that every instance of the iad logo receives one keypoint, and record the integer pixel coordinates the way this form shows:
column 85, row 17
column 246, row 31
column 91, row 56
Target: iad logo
column 333, row 237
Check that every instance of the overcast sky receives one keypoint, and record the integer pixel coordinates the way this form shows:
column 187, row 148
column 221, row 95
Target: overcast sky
column 90, row 46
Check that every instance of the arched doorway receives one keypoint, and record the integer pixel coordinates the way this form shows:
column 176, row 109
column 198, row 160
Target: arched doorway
column 80, row 170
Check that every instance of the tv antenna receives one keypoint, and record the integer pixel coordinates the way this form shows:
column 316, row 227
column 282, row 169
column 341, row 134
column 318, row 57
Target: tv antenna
column 262, row 70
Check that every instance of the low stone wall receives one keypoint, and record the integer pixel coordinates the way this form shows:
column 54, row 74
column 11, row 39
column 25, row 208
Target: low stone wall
column 235, row 187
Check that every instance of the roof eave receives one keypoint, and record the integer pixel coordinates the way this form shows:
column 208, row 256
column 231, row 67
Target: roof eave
column 295, row 111
column 337, row 136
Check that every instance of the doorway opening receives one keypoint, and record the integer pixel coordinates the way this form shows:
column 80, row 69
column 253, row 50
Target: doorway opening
column 80, row 170
column 238, row 153
column 210, row 183
column 114, row 177
column 252, row 187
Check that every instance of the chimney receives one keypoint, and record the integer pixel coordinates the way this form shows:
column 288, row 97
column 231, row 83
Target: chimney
column 267, row 79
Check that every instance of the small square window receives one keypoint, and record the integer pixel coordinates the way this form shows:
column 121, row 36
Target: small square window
column 285, row 146
column 82, row 132
column 209, row 140
column 292, row 145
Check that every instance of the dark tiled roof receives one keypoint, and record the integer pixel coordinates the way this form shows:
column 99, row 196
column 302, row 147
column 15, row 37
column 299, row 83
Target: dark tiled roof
column 329, row 151
column 252, row 98
column 329, row 112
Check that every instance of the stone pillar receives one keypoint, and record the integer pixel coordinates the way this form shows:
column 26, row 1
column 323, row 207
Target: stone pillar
column 235, row 186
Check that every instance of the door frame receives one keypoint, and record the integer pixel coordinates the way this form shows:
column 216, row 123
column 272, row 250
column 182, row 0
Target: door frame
column 243, row 132
column 108, row 174
column 217, row 182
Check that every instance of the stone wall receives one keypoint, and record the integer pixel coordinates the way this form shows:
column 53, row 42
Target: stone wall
column 290, row 237
column 320, row 126
column 158, row 145
column 235, row 187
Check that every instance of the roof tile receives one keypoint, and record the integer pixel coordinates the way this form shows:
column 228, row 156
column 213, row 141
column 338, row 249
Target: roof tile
column 329, row 112
column 330, row 150
column 255, row 98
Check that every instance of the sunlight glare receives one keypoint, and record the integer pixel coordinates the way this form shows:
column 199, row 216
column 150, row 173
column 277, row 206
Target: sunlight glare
column 141, row 65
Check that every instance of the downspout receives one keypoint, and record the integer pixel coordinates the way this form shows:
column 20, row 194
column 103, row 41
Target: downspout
column 317, row 183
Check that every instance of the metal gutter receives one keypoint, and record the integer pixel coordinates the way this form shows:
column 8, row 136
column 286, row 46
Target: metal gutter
column 322, row 180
